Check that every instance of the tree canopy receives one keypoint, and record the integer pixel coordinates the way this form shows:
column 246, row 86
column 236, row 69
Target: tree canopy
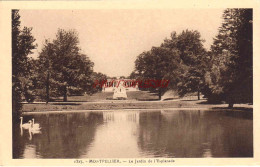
column 180, row 59
column 231, row 74
column 22, row 46
column 193, row 60
column 63, row 66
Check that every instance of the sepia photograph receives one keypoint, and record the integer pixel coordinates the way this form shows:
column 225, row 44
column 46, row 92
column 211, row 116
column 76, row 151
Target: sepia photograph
column 132, row 83
column 129, row 83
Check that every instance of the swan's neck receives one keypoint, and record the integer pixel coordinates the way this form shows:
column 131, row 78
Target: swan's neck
column 21, row 122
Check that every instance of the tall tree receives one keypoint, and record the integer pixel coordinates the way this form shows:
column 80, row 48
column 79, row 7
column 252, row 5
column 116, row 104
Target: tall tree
column 231, row 76
column 159, row 64
column 45, row 72
column 193, row 60
column 22, row 46
column 64, row 66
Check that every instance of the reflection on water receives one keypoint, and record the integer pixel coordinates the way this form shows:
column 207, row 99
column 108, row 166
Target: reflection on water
column 116, row 137
column 135, row 134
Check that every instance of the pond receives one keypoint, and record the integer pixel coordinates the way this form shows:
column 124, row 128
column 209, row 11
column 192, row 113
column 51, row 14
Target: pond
column 136, row 134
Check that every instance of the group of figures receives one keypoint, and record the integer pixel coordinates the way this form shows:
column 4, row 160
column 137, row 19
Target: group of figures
column 33, row 128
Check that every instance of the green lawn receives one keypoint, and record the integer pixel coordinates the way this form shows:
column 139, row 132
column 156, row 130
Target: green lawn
column 135, row 100
column 101, row 96
column 116, row 104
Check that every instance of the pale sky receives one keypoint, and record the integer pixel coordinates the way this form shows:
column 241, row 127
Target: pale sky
column 114, row 38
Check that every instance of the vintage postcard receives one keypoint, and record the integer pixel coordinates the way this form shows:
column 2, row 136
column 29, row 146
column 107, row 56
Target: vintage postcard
column 129, row 83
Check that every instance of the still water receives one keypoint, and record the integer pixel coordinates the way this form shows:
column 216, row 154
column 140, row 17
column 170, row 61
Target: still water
column 136, row 134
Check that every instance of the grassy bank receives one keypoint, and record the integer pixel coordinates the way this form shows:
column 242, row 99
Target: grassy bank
column 103, row 96
column 135, row 100
column 59, row 106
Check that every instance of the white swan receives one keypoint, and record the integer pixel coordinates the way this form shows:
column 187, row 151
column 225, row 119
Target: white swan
column 26, row 125
column 34, row 129
column 36, row 125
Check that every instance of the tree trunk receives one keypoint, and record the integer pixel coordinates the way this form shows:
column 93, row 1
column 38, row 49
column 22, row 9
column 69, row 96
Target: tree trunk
column 160, row 94
column 48, row 88
column 65, row 93
column 198, row 92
